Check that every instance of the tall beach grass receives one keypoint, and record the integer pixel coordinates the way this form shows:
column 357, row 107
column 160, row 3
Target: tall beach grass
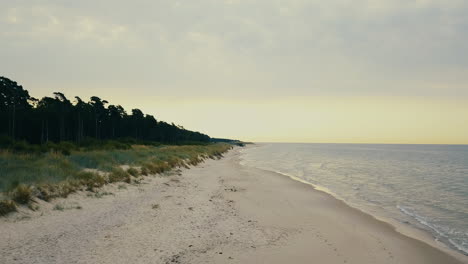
column 53, row 174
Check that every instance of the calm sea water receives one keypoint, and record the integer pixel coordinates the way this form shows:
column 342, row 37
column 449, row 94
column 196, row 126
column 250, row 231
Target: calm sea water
column 423, row 185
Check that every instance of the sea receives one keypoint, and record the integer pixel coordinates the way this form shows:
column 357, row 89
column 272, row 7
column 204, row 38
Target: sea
column 421, row 185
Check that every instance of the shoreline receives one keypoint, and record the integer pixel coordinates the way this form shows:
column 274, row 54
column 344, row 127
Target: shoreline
column 409, row 232
column 217, row 212
column 409, row 229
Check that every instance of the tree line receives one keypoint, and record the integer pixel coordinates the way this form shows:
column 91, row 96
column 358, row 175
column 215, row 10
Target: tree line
column 58, row 119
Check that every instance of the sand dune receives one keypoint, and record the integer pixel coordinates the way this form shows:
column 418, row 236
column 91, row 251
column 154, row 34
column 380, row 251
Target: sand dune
column 218, row 212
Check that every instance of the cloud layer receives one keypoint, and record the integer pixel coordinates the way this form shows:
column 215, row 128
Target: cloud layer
column 152, row 54
column 240, row 47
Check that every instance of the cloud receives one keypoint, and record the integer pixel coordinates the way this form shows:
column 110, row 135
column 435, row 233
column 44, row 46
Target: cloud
column 238, row 47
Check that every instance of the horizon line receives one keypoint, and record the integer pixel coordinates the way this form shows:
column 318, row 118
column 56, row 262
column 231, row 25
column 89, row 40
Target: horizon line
column 284, row 142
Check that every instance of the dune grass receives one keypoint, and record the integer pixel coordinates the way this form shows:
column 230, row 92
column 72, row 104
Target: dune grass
column 7, row 206
column 24, row 177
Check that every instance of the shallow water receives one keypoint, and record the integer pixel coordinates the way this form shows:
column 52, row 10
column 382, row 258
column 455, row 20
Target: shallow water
column 424, row 185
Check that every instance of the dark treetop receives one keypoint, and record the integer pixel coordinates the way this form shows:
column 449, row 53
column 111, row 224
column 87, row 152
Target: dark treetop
column 57, row 119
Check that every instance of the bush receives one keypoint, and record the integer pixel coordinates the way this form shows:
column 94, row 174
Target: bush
column 90, row 179
column 173, row 162
column 7, row 206
column 119, row 175
column 156, row 167
column 133, row 172
column 46, row 192
column 22, row 194
column 144, row 171
column 66, row 188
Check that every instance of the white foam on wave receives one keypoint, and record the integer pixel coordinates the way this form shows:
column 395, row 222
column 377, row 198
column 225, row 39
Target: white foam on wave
column 295, row 168
column 438, row 230
column 317, row 187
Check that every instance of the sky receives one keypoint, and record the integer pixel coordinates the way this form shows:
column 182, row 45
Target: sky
column 360, row 71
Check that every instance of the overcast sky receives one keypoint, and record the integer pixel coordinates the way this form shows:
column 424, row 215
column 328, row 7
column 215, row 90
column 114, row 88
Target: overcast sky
column 255, row 69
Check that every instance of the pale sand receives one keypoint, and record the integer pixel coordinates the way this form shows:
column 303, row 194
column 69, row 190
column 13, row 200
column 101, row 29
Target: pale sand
column 218, row 212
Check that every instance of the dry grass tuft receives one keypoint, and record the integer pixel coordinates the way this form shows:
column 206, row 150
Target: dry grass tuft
column 119, row 175
column 46, row 192
column 90, row 179
column 7, row 206
column 132, row 171
column 22, row 194
column 51, row 175
column 144, row 171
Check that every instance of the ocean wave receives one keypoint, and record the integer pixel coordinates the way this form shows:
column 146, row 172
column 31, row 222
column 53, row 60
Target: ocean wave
column 435, row 228
column 429, row 191
column 299, row 179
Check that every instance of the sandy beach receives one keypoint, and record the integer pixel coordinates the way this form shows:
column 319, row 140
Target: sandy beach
column 217, row 212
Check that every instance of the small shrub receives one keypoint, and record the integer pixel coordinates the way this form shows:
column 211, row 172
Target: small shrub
column 119, row 175
column 7, row 206
column 46, row 192
column 133, row 172
column 173, row 162
column 161, row 167
column 156, row 167
column 22, row 194
column 195, row 160
column 90, row 179
column 66, row 188
column 149, row 167
column 144, row 171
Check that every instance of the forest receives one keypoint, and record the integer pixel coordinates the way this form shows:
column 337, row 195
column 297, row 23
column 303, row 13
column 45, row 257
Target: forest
column 56, row 119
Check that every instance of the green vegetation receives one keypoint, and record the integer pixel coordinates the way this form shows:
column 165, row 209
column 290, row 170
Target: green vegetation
column 230, row 141
column 57, row 119
column 119, row 175
column 6, row 207
column 53, row 147
column 24, row 177
column 133, row 172
column 21, row 194
column 53, row 167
